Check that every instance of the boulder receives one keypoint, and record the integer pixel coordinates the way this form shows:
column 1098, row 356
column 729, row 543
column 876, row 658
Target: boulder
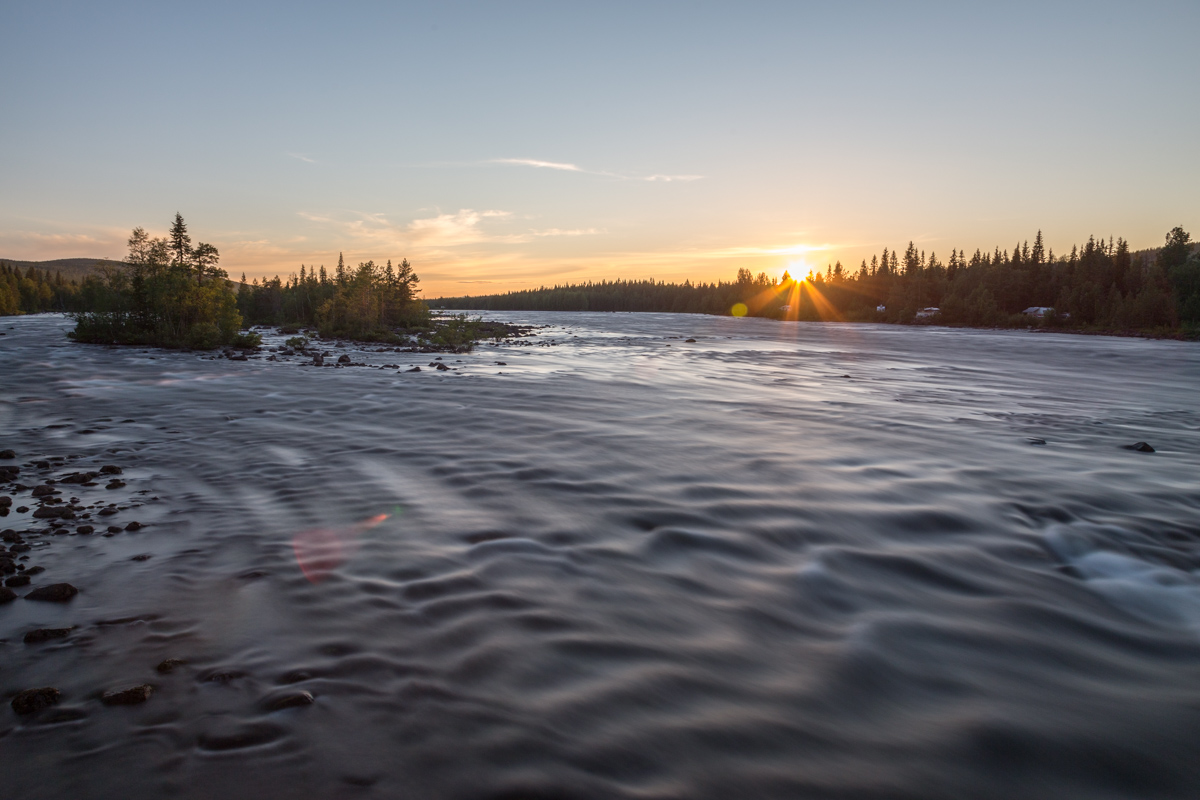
column 169, row 665
column 134, row 526
column 1140, row 447
column 46, row 634
column 17, row 581
column 5, row 501
column 7, row 595
column 44, row 491
column 110, row 469
column 53, row 593
column 31, row 700
column 85, row 530
column 318, row 360
column 414, row 369
column 130, row 696
column 343, row 359
column 7, row 454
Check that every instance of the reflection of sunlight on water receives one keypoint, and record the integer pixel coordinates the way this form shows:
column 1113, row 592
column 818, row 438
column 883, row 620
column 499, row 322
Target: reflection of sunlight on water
column 322, row 550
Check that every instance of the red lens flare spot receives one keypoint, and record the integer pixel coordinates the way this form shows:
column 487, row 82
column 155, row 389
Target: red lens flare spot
column 322, row 550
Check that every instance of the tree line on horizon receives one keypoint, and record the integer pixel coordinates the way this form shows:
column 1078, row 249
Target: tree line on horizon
column 172, row 294
column 1099, row 285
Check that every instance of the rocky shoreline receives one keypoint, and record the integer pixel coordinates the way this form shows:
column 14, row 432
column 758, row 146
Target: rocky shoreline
column 51, row 497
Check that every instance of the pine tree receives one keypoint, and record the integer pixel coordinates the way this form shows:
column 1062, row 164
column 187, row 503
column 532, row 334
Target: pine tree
column 1039, row 251
column 341, row 271
column 181, row 243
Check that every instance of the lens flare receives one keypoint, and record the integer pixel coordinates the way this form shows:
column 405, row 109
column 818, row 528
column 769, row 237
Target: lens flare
column 322, row 550
column 739, row 310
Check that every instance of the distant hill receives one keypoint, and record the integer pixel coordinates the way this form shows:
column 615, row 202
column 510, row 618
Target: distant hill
column 72, row 269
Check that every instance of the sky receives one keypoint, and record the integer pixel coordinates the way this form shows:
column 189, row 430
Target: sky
column 504, row 146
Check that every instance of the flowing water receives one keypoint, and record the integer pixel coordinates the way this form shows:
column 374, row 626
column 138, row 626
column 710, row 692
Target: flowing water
column 781, row 561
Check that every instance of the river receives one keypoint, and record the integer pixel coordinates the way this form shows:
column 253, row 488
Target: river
column 783, row 560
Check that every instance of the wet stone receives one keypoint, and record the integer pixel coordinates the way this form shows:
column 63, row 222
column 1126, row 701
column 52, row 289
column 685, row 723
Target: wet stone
column 290, row 700
column 46, row 634
column 16, row 581
column 114, row 529
column 134, row 526
column 115, row 485
column 53, row 593
column 35, row 570
column 110, row 469
column 22, row 509
column 84, row 530
column 141, row 557
column 31, row 700
column 128, row 697
column 1140, row 447
column 7, row 595
column 5, row 501
column 169, row 665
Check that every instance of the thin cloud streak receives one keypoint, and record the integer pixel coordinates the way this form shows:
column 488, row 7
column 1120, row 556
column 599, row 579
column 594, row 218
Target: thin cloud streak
column 538, row 164
column 302, row 157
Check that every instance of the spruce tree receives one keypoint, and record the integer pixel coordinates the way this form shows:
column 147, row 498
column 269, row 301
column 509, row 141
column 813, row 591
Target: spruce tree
column 181, row 243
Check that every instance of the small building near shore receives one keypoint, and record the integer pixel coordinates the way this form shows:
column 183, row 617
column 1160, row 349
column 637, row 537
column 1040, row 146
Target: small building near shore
column 926, row 313
column 881, row 308
column 1038, row 311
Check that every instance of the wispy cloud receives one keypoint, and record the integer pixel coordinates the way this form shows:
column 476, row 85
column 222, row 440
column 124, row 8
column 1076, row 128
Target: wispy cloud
column 302, row 157
column 563, row 167
column 531, row 162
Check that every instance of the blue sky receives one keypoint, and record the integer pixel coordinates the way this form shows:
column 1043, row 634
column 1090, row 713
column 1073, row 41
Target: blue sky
column 507, row 145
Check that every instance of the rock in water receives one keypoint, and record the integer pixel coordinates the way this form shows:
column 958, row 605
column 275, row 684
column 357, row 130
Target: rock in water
column 7, row 454
column 46, row 634
column 110, row 469
column 1035, row 440
column 169, row 665
column 343, row 359
column 318, row 360
column 290, row 700
column 7, row 595
column 5, row 501
column 53, row 593
column 1141, row 447
column 128, row 697
column 134, row 526
column 32, row 700
column 17, row 580
column 414, row 369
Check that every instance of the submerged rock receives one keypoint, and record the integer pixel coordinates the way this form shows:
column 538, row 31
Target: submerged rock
column 17, row 581
column 168, row 665
column 1035, row 440
column 46, row 634
column 7, row 595
column 318, row 360
column 7, row 454
column 44, row 491
column 290, row 700
column 31, row 700
column 84, row 530
column 1140, row 447
column 5, row 501
column 128, row 697
column 110, row 469
column 53, row 593
column 134, row 526
column 414, row 369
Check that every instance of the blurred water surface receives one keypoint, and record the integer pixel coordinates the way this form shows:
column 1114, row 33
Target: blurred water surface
column 783, row 560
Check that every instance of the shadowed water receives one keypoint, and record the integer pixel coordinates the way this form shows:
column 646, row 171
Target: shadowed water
column 784, row 560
